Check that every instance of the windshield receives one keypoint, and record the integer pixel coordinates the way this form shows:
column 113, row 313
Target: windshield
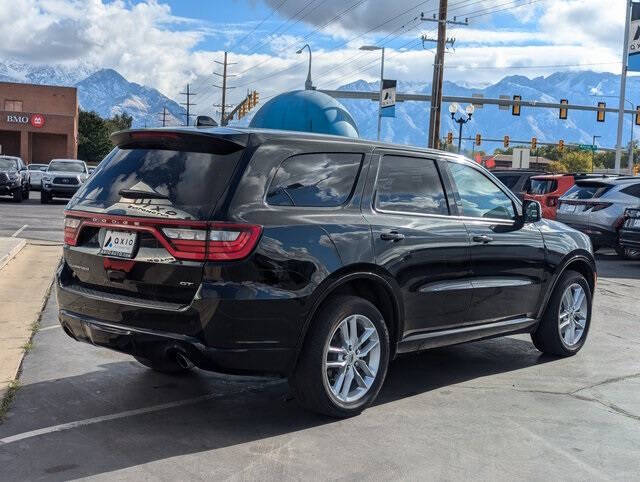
column 158, row 183
column 66, row 166
column 587, row 191
column 37, row 167
column 7, row 163
column 542, row 186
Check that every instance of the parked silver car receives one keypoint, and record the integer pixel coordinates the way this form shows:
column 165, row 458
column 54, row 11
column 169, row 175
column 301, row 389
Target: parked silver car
column 36, row 171
column 63, row 178
column 596, row 207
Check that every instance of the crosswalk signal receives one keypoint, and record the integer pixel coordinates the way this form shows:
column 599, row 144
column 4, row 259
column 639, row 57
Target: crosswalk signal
column 534, row 143
column 563, row 110
column 560, row 144
column 506, row 141
column 449, row 137
column 515, row 108
column 601, row 112
column 478, row 139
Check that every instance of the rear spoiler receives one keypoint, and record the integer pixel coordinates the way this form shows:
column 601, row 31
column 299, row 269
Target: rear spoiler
column 218, row 140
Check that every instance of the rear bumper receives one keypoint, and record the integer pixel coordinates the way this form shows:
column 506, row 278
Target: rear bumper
column 630, row 238
column 220, row 330
column 156, row 344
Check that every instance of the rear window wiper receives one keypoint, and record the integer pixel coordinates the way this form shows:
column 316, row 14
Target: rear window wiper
column 133, row 194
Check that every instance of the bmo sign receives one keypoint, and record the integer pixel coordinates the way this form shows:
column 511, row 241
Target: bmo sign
column 36, row 120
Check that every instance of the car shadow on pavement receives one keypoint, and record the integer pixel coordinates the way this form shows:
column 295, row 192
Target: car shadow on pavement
column 240, row 410
column 616, row 267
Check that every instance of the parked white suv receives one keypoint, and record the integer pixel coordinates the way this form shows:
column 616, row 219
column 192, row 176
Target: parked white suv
column 63, row 178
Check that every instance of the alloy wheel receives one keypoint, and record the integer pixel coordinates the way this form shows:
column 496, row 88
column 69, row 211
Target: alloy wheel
column 351, row 358
column 572, row 316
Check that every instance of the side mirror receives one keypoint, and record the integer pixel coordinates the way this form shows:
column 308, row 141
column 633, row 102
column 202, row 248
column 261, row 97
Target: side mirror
column 532, row 211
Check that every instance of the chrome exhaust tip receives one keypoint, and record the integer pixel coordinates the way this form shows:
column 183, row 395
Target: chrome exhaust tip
column 183, row 361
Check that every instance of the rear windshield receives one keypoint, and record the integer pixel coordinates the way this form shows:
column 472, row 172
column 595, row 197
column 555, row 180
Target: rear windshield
column 587, row 191
column 66, row 166
column 542, row 186
column 509, row 180
column 157, row 183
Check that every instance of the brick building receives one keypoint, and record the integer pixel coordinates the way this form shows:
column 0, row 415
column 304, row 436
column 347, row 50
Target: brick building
column 38, row 122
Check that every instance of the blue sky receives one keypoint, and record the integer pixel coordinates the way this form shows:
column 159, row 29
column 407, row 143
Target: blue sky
column 167, row 43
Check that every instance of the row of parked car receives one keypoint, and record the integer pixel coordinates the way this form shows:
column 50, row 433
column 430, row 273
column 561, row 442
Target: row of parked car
column 60, row 178
column 605, row 207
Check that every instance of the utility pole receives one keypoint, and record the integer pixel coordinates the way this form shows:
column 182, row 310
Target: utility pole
column 224, row 75
column 188, row 103
column 623, row 87
column 433, row 138
column 164, row 116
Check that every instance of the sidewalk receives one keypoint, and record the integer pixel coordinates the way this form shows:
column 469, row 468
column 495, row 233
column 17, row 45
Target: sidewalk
column 9, row 247
column 24, row 284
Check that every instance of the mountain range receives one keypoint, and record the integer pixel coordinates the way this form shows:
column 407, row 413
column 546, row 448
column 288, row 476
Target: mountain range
column 107, row 92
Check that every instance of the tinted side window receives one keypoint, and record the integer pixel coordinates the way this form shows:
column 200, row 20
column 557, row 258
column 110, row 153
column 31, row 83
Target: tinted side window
column 410, row 184
column 480, row 197
column 315, row 180
column 508, row 180
column 633, row 190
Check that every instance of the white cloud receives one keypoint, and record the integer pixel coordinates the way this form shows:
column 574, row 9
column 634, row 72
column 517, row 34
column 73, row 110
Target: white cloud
column 147, row 44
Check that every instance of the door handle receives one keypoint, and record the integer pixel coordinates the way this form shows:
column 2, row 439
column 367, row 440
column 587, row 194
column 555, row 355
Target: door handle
column 392, row 236
column 482, row 238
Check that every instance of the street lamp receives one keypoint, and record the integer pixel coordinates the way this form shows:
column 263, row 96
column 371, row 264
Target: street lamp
column 372, row 48
column 308, row 85
column 453, row 108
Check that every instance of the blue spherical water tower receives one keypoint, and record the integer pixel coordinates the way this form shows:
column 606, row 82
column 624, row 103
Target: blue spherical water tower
column 307, row 111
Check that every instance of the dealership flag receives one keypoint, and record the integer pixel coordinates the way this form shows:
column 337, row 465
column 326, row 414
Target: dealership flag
column 388, row 101
column 634, row 39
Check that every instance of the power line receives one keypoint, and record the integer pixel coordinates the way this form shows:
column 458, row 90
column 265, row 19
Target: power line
column 273, row 12
column 516, row 67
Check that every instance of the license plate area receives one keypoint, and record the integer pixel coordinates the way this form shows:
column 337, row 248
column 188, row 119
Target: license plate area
column 119, row 244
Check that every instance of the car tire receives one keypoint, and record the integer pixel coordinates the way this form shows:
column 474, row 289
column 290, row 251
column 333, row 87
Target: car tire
column 44, row 197
column 565, row 325
column 18, row 195
column 321, row 388
column 26, row 193
column 170, row 367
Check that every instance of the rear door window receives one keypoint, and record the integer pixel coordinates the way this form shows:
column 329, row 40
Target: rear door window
column 315, row 180
column 410, row 184
column 158, row 183
column 586, row 191
column 633, row 190
column 509, row 180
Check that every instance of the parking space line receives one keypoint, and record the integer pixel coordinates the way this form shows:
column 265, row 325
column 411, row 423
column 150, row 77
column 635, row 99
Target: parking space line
column 19, row 231
column 115, row 416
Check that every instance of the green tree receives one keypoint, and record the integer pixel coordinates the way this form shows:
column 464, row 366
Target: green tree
column 557, row 167
column 119, row 122
column 577, row 161
column 93, row 137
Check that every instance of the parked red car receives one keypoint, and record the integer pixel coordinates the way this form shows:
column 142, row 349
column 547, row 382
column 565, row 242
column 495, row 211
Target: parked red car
column 548, row 188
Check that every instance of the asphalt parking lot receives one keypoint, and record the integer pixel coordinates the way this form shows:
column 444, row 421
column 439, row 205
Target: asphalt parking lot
column 32, row 220
column 495, row 409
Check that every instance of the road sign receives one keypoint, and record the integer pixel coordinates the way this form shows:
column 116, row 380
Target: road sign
column 388, row 100
column 587, row 147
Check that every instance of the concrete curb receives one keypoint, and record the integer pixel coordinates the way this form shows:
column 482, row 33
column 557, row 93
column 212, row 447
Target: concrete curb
column 4, row 260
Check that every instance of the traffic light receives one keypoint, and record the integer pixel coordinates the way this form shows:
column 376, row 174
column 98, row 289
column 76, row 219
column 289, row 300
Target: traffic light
column 534, row 143
column 636, row 169
column 563, row 111
column 449, row 137
column 515, row 108
column 560, row 144
column 242, row 111
column 601, row 112
column 255, row 98
column 506, row 141
column 249, row 101
column 478, row 139
column 638, row 115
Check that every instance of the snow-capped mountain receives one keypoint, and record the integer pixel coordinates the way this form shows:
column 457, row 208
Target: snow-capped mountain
column 583, row 87
column 104, row 91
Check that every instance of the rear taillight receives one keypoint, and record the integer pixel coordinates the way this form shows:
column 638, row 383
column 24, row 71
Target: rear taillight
column 599, row 206
column 552, row 201
column 184, row 240
column 224, row 242
column 71, row 230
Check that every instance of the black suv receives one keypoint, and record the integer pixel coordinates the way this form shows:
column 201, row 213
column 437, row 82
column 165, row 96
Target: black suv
column 313, row 257
column 14, row 178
